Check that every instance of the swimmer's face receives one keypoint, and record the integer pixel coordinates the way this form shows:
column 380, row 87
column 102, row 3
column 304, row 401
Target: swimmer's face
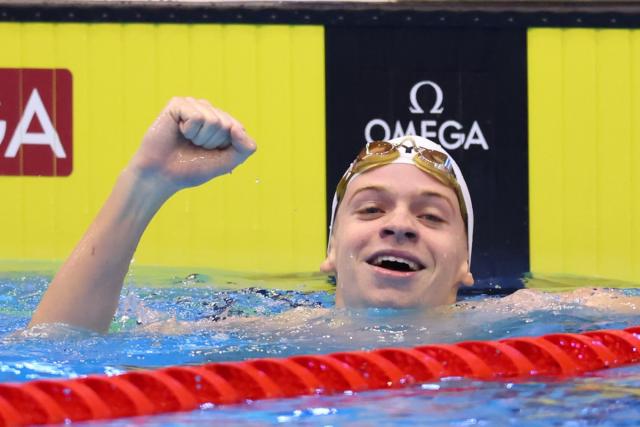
column 399, row 241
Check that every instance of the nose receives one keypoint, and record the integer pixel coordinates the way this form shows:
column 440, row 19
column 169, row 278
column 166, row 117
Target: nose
column 401, row 227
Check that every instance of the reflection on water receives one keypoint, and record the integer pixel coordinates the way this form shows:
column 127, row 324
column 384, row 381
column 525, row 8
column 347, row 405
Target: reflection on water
column 186, row 317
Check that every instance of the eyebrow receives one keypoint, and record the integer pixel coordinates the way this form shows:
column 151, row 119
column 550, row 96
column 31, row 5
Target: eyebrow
column 376, row 188
column 439, row 196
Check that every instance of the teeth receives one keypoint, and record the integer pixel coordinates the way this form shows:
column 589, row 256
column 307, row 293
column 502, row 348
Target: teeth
column 412, row 265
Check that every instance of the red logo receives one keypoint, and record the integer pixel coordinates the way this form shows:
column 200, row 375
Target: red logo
column 36, row 122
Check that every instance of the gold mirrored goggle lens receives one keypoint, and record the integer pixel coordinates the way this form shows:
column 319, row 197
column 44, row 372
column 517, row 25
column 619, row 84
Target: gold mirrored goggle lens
column 378, row 147
column 433, row 156
column 376, row 150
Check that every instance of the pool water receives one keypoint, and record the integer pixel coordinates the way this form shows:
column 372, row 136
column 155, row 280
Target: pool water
column 179, row 317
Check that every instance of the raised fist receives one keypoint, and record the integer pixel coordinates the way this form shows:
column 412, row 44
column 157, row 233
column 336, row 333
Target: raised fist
column 192, row 142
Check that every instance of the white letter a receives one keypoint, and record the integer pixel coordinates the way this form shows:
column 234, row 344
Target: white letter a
column 48, row 136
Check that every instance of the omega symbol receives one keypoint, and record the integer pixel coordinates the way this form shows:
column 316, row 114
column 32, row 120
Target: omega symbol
column 415, row 107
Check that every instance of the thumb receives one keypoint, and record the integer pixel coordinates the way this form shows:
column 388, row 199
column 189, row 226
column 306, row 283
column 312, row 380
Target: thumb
column 241, row 141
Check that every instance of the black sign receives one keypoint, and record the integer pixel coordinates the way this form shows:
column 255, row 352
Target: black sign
column 463, row 88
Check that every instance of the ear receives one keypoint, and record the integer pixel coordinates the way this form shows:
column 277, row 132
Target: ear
column 329, row 263
column 467, row 277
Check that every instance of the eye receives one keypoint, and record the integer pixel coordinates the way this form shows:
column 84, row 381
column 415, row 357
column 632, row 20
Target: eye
column 432, row 218
column 370, row 211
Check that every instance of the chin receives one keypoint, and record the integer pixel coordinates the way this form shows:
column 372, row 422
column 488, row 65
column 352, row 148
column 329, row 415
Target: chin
column 391, row 299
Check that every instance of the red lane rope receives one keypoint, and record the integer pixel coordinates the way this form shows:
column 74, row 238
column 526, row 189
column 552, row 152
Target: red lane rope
column 184, row 388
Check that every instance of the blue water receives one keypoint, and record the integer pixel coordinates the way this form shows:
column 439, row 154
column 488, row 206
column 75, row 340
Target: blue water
column 167, row 320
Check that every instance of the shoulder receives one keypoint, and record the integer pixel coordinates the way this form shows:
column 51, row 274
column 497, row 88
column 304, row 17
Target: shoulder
column 526, row 300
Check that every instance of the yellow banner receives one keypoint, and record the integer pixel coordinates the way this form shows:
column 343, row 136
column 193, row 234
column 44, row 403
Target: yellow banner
column 268, row 216
column 584, row 148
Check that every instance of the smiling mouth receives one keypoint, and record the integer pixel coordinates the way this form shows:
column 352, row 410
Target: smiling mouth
column 395, row 263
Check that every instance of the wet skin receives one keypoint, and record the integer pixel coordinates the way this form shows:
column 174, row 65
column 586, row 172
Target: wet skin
column 399, row 241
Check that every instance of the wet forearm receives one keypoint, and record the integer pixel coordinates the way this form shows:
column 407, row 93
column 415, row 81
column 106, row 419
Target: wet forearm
column 85, row 290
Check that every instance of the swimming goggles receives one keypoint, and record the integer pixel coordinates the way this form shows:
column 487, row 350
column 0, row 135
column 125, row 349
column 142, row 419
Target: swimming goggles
column 379, row 153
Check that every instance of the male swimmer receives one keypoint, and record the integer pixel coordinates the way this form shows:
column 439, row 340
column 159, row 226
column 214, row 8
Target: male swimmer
column 401, row 231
